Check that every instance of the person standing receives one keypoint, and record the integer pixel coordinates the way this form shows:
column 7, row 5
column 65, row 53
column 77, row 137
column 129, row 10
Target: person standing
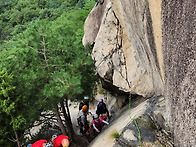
column 82, row 119
column 102, row 109
column 85, row 101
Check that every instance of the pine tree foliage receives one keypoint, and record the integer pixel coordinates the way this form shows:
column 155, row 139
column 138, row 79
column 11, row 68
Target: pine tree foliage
column 43, row 60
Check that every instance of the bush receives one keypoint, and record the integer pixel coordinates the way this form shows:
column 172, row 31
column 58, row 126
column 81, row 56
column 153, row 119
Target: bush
column 115, row 135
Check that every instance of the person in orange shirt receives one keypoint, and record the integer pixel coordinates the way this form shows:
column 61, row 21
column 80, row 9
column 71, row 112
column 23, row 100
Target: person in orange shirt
column 60, row 141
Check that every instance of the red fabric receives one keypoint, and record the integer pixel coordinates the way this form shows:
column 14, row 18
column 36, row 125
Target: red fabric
column 99, row 123
column 57, row 141
column 39, row 143
column 103, row 116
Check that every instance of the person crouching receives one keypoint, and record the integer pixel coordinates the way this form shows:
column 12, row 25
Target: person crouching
column 98, row 123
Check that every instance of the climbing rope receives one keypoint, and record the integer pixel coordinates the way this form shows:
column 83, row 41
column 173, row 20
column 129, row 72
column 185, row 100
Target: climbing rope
column 140, row 142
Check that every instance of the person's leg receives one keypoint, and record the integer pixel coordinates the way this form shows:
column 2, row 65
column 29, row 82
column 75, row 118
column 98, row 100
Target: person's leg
column 86, row 127
column 81, row 128
column 90, row 129
column 98, row 113
column 108, row 116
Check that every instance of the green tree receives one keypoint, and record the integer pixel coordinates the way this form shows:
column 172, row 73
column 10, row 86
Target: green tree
column 11, row 120
column 49, row 65
column 15, row 15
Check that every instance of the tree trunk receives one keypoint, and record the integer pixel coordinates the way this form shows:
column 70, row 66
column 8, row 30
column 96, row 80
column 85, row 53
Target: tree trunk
column 59, row 120
column 17, row 139
column 68, row 113
column 67, row 121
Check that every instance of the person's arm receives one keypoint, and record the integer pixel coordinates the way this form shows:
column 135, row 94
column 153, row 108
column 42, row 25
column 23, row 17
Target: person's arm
column 98, row 111
column 87, row 106
column 105, row 122
column 89, row 113
column 80, row 105
column 95, row 128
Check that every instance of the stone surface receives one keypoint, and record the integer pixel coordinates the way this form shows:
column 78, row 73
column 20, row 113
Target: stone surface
column 129, row 135
column 126, row 52
column 180, row 69
column 93, row 22
column 123, row 123
column 147, row 48
column 115, row 103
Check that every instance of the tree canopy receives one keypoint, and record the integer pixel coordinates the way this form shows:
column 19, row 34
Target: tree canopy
column 43, row 60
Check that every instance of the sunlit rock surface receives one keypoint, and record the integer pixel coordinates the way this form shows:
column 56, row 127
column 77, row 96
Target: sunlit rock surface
column 126, row 45
column 147, row 48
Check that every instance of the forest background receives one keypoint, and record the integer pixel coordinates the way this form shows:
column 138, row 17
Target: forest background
column 43, row 64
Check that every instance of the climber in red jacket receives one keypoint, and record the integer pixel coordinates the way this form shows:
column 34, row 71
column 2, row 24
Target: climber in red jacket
column 39, row 143
column 60, row 141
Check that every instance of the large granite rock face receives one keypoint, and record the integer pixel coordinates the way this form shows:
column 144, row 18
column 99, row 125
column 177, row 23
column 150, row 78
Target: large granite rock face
column 126, row 38
column 180, row 69
column 126, row 46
